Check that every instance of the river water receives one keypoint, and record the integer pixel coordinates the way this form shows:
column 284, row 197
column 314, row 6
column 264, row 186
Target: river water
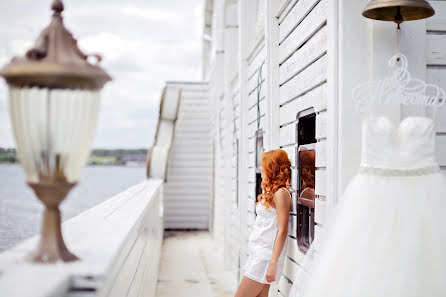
column 21, row 211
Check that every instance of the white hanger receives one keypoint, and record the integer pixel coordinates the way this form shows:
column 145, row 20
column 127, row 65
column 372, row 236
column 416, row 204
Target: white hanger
column 398, row 88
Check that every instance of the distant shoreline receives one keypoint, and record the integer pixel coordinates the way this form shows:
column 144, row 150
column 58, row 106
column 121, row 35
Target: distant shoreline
column 98, row 157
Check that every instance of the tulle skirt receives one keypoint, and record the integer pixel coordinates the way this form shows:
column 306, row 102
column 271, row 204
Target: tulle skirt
column 386, row 237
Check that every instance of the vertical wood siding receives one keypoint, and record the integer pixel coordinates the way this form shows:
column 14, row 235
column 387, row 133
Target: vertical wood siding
column 303, row 76
column 188, row 190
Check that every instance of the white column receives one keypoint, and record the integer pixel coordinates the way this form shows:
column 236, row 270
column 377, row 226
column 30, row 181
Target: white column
column 332, row 104
column 244, row 14
column 229, row 46
column 272, row 65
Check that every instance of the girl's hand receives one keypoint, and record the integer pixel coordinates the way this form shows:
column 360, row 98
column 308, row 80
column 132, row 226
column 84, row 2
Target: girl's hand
column 271, row 272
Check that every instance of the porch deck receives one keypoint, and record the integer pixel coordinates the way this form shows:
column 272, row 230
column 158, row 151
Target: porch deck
column 192, row 265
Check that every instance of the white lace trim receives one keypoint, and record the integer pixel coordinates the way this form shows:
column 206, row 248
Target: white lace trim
column 399, row 172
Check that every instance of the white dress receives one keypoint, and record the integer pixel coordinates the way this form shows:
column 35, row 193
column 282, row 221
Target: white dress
column 261, row 245
column 386, row 236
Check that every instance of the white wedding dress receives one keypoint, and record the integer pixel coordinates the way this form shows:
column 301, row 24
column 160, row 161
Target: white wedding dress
column 387, row 235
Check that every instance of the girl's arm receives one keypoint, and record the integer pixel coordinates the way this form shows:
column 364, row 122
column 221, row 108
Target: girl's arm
column 282, row 202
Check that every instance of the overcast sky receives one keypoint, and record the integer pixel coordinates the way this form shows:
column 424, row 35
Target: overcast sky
column 143, row 44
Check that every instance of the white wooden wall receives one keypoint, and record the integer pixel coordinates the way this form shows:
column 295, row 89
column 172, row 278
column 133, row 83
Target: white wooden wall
column 313, row 54
column 436, row 69
column 302, row 84
column 188, row 189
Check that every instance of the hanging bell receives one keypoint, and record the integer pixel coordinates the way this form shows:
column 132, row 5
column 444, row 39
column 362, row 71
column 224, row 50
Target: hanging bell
column 398, row 11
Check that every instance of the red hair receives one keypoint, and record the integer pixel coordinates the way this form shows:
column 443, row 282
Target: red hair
column 276, row 167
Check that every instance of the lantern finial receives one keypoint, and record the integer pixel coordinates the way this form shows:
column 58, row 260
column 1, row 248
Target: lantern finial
column 55, row 61
column 57, row 6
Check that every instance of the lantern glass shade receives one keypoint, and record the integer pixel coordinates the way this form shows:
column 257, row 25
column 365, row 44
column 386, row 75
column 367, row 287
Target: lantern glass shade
column 53, row 129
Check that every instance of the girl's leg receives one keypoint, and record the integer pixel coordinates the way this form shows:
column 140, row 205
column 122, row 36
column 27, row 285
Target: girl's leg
column 264, row 292
column 249, row 288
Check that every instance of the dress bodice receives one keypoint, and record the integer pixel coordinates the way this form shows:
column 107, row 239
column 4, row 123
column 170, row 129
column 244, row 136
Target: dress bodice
column 410, row 146
column 261, row 241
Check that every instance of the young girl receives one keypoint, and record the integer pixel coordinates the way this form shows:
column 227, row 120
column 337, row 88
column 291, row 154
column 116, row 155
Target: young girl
column 267, row 243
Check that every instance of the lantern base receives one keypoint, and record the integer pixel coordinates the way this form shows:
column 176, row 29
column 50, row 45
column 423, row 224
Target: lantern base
column 51, row 246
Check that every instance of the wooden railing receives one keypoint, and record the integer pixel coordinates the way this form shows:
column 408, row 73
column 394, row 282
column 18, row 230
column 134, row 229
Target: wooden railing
column 118, row 242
